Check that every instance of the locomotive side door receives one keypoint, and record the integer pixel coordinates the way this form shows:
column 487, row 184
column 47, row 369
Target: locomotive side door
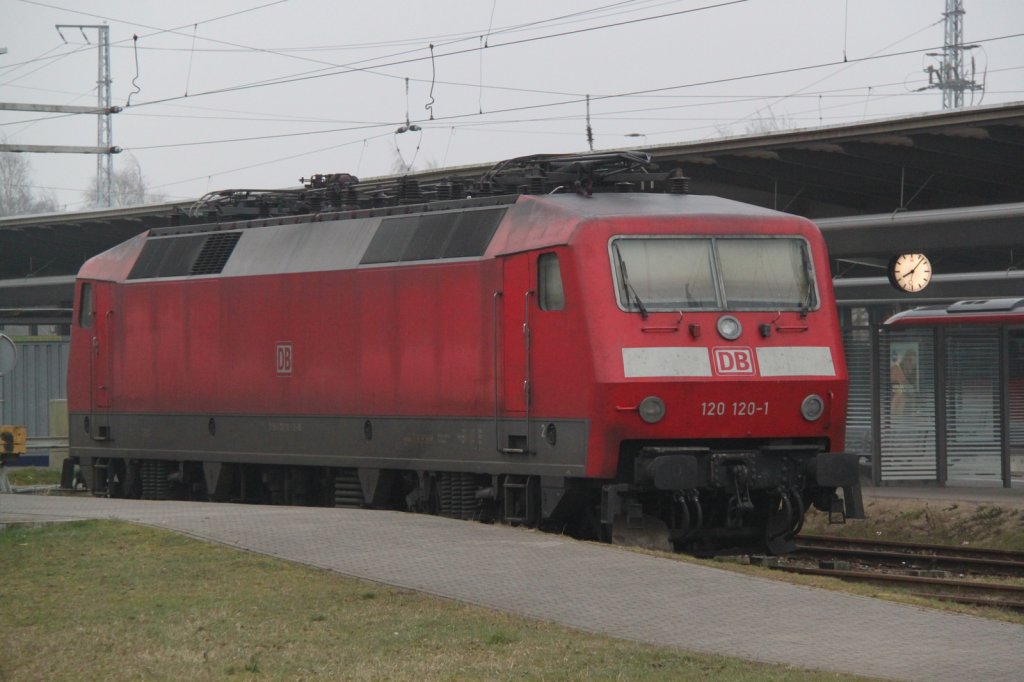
column 100, row 359
column 515, row 352
column 515, row 334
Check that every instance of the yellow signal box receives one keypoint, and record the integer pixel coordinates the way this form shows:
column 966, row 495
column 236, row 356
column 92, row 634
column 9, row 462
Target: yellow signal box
column 12, row 441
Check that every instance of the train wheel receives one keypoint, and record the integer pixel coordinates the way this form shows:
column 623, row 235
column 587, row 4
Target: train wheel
column 785, row 518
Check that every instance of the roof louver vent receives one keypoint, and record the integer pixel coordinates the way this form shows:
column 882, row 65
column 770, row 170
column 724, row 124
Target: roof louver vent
column 215, row 253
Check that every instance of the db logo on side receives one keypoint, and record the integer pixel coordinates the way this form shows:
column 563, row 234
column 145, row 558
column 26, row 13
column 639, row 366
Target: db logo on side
column 284, row 359
column 733, row 361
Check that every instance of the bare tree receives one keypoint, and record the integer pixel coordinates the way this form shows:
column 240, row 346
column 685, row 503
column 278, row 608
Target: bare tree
column 762, row 122
column 128, row 187
column 768, row 122
column 16, row 195
column 399, row 166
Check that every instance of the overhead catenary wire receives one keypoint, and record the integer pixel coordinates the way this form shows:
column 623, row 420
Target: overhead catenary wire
column 574, row 16
column 355, row 68
column 135, row 81
column 158, row 31
column 278, row 159
column 467, row 126
column 476, row 85
column 546, row 105
column 243, row 168
column 846, row 65
column 712, row 100
column 191, row 55
column 368, row 124
column 716, row 100
column 50, row 62
column 506, row 120
column 328, row 65
column 278, row 81
column 433, row 75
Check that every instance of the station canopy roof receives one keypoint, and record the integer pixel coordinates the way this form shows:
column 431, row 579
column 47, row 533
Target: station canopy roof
column 838, row 175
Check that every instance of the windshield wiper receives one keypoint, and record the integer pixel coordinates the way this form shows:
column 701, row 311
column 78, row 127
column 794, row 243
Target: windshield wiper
column 807, row 294
column 626, row 283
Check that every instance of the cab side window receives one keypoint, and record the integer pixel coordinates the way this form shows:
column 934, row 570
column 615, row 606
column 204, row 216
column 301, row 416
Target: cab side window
column 551, row 295
column 85, row 307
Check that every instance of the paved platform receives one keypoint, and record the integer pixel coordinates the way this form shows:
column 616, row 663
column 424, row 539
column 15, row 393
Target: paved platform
column 597, row 588
column 982, row 494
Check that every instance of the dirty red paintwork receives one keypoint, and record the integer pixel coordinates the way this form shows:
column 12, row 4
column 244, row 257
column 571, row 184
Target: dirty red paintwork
column 419, row 339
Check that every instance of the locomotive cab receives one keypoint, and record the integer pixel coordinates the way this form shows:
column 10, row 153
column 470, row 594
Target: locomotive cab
column 727, row 393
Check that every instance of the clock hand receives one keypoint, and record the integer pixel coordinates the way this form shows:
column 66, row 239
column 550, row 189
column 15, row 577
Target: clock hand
column 911, row 271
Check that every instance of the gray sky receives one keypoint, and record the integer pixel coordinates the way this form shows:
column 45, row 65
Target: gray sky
column 662, row 71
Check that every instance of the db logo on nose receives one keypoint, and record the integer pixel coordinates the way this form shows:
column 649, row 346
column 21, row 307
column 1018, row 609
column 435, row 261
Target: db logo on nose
column 284, row 359
column 733, row 361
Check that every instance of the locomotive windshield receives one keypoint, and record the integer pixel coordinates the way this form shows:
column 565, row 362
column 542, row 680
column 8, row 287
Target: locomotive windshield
column 713, row 273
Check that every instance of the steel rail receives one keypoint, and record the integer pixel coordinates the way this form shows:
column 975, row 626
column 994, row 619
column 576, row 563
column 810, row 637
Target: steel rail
column 977, row 560
column 991, row 594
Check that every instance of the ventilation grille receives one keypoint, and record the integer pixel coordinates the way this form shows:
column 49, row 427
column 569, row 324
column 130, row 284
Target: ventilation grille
column 433, row 236
column 185, row 255
column 859, row 423
column 215, row 253
column 974, row 406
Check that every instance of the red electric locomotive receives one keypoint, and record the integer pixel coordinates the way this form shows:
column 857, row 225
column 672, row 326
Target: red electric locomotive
column 562, row 357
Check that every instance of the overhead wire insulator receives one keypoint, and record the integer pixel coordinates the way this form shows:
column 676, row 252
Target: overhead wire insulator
column 590, row 131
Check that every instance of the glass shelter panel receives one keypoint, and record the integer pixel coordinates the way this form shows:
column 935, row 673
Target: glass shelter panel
column 859, row 427
column 908, row 406
column 974, row 437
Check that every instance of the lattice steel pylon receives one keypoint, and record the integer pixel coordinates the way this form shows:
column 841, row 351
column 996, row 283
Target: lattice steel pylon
column 104, row 129
column 949, row 75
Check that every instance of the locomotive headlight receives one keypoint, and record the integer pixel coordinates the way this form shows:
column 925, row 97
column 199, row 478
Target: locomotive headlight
column 729, row 327
column 652, row 409
column 813, row 407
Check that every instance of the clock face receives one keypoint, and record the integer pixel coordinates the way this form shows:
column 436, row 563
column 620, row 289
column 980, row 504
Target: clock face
column 910, row 271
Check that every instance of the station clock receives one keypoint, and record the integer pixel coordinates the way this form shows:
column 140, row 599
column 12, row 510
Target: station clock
column 910, row 272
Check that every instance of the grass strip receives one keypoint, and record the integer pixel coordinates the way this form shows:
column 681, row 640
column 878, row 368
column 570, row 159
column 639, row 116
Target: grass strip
column 32, row 476
column 109, row 600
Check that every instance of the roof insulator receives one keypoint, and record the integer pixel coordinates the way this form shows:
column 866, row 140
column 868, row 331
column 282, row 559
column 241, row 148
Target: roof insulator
column 679, row 185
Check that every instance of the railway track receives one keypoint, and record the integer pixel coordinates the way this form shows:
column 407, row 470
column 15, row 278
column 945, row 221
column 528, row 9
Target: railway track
column 958, row 559
column 945, row 572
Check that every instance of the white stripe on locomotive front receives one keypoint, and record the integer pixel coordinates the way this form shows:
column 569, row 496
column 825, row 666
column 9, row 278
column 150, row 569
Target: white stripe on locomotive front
column 784, row 361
